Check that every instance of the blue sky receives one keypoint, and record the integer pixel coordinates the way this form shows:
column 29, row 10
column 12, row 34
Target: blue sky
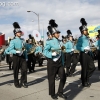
column 67, row 14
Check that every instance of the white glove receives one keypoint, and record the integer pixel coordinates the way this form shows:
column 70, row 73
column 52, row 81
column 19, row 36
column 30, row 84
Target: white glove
column 26, row 59
column 87, row 48
column 72, row 49
column 54, row 54
column 19, row 52
column 97, row 48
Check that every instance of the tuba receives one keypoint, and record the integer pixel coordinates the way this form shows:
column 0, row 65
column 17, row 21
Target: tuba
column 32, row 41
column 32, row 50
column 35, row 36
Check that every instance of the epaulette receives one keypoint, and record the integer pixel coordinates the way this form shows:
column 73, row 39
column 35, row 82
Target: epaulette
column 22, row 38
column 59, row 40
column 80, row 36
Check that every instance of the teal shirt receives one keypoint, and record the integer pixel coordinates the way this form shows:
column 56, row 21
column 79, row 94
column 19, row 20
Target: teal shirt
column 28, row 46
column 75, row 47
column 97, row 44
column 16, row 44
column 82, row 42
column 52, row 44
column 38, row 49
column 69, row 45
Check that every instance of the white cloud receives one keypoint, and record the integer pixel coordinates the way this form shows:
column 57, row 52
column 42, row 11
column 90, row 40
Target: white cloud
column 67, row 14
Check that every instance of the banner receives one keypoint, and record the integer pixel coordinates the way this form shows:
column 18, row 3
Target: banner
column 93, row 30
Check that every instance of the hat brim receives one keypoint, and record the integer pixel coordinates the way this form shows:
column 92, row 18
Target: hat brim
column 56, row 32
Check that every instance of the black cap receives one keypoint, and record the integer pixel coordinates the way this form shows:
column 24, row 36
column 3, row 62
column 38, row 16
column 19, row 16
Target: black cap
column 16, row 28
column 52, row 28
column 99, row 31
column 83, row 28
column 98, row 36
column 69, row 34
column 58, row 31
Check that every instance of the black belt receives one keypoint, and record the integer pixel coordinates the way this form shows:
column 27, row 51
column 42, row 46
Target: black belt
column 18, row 55
column 70, row 52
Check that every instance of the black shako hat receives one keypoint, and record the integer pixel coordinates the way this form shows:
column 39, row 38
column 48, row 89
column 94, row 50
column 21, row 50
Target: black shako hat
column 83, row 27
column 16, row 28
column 52, row 28
column 98, row 36
column 69, row 34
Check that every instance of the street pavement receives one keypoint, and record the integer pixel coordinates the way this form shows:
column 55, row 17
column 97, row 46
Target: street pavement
column 38, row 85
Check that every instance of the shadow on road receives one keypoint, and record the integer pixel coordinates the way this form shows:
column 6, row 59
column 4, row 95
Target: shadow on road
column 74, row 88
column 36, row 81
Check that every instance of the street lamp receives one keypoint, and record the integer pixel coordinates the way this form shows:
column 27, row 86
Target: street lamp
column 38, row 19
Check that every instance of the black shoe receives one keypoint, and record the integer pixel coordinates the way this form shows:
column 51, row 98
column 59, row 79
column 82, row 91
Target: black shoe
column 67, row 74
column 61, row 95
column 40, row 65
column 18, row 86
column 86, row 85
column 30, row 71
column 12, row 68
column 89, row 83
column 98, row 69
column 24, row 85
column 70, row 75
column 34, row 71
column 57, row 78
column 9, row 68
column 54, row 97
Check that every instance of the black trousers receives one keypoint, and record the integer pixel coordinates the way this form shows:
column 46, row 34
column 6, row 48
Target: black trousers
column 0, row 58
column 19, row 63
column 31, row 62
column 68, row 59
column 39, row 59
column 54, row 68
column 88, row 67
column 74, row 61
column 10, row 60
column 98, row 58
column 7, row 58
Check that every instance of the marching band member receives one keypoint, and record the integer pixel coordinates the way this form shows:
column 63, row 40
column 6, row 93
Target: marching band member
column 31, row 57
column 38, row 53
column 64, row 40
column 10, row 58
column 54, row 63
column 17, row 48
column 69, row 46
column 86, row 60
column 74, row 60
column 97, row 44
column 1, row 53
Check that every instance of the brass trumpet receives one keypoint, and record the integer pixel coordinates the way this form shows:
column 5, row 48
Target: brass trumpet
column 93, row 48
column 59, row 50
